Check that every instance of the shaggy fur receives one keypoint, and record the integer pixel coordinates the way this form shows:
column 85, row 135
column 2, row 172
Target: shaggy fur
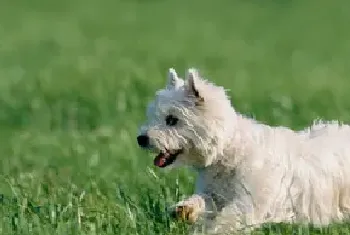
column 248, row 173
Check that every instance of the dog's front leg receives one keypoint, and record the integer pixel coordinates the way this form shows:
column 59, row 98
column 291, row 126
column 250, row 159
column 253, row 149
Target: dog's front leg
column 189, row 209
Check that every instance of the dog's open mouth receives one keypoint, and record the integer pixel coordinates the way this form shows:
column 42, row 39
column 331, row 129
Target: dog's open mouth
column 166, row 158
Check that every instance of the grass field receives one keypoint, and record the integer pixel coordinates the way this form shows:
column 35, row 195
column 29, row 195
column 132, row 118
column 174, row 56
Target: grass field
column 75, row 76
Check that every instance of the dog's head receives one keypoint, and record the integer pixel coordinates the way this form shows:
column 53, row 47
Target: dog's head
column 188, row 123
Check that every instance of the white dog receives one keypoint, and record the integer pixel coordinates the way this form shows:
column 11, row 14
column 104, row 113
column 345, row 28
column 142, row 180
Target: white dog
column 249, row 173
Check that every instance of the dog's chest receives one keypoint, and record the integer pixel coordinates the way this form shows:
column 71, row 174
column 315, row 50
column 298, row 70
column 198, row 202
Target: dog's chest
column 217, row 183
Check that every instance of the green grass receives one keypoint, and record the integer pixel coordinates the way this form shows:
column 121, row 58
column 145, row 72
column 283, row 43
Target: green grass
column 76, row 75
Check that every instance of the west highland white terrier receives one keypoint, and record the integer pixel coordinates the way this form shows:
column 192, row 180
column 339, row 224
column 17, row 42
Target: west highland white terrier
column 249, row 173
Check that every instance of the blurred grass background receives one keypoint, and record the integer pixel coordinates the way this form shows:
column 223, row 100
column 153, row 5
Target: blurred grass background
column 76, row 75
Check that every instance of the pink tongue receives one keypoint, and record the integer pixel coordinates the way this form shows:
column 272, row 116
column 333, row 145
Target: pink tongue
column 160, row 160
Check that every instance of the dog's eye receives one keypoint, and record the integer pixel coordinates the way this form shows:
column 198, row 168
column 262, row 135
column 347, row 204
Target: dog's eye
column 171, row 120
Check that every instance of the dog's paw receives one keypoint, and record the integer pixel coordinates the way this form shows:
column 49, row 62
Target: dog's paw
column 185, row 213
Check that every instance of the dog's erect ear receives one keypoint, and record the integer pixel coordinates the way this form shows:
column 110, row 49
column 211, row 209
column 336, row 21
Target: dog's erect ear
column 174, row 82
column 193, row 79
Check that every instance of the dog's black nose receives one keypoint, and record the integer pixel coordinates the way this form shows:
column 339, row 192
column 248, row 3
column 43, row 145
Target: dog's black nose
column 143, row 141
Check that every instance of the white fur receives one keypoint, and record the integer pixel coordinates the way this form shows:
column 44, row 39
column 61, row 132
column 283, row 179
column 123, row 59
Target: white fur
column 250, row 173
